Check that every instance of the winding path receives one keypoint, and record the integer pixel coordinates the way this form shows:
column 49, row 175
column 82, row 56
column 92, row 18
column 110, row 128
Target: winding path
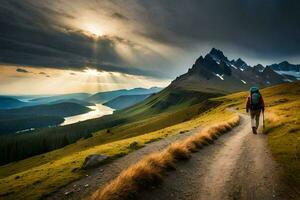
column 238, row 166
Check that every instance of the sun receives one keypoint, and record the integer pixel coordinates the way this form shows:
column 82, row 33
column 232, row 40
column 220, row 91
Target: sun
column 94, row 29
column 91, row 72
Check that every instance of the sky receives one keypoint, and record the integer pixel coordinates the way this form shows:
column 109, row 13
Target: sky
column 99, row 45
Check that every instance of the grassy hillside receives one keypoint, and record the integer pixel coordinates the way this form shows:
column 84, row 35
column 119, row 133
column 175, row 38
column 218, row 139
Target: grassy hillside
column 168, row 100
column 42, row 174
column 282, row 126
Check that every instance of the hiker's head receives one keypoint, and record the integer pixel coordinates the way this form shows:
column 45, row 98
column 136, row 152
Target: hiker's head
column 254, row 90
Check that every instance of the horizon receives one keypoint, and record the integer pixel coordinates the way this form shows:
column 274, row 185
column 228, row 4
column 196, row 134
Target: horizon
column 93, row 73
column 23, row 95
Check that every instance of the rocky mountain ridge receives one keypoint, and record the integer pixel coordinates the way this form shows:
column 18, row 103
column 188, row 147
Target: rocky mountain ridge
column 216, row 73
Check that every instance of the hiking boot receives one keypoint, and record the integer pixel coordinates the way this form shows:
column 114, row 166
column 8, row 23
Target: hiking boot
column 254, row 130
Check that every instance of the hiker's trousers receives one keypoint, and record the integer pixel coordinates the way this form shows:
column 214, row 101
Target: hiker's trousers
column 255, row 114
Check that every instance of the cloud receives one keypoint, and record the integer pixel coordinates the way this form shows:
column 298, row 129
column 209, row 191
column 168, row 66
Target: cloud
column 34, row 38
column 268, row 28
column 119, row 16
column 22, row 70
column 45, row 74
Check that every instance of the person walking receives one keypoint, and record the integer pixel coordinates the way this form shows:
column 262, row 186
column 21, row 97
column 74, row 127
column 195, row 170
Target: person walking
column 255, row 104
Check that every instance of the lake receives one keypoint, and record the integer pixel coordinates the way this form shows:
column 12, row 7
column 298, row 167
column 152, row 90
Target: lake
column 98, row 110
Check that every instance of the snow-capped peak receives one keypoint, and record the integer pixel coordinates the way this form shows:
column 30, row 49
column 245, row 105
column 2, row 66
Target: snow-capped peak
column 220, row 76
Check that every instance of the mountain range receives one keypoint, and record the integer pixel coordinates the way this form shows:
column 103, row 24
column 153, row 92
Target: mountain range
column 287, row 69
column 53, row 98
column 85, row 99
column 215, row 73
column 103, row 97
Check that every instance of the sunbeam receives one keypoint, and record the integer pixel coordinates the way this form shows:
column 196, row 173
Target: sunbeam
column 55, row 81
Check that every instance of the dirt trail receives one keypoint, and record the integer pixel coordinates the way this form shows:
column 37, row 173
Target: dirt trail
column 98, row 177
column 237, row 166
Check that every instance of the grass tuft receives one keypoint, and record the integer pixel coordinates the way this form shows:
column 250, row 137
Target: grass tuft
column 149, row 171
column 179, row 151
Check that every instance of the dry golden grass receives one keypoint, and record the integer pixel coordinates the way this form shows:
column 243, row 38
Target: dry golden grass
column 271, row 117
column 149, row 171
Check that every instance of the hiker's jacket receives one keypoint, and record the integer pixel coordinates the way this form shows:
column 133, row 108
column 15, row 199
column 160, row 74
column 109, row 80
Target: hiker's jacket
column 261, row 103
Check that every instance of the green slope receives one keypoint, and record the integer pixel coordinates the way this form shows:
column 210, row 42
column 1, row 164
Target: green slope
column 42, row 174
column 168, row 100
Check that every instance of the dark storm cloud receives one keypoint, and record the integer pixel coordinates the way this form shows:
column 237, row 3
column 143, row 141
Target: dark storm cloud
column 269, row 28
column 22, row 70
column 28, row 36
column 32, row 41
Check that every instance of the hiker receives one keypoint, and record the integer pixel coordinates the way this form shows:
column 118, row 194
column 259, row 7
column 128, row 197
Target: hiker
column 255, row 103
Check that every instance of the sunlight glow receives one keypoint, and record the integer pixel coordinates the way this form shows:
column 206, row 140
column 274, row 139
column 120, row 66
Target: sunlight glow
column 57, row 81
column 92, row 72
column 94, row 29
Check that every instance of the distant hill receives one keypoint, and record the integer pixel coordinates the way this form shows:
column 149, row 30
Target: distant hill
column 80, row 102
column 103, row 97
column 168, row 100
column 60, row 109
column 125, row 101
column 24, row 123
column 13, row 120
column 48, row 99
column 9, row 102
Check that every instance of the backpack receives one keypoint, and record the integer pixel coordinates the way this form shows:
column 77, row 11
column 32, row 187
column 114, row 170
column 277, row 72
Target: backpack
column 255, row 98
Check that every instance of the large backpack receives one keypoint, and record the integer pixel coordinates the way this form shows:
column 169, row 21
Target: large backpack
column 255, row 98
